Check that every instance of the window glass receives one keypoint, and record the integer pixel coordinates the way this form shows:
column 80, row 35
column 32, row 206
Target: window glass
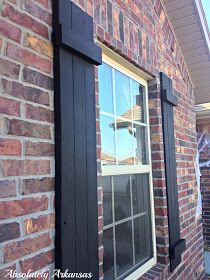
column 140, row 193
column 138, row 102
column 122, row 95
column 125, row 144
column 124, row 247
column 108, row 153
column 105, row 89
column 140, row 148
column 107, row 199
column 122, row 197
column 127, row 238
column 108, row 263
column 142, row 236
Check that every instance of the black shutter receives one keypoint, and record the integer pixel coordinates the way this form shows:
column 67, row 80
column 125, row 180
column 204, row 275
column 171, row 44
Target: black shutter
column 75, row 55
column 168, row 100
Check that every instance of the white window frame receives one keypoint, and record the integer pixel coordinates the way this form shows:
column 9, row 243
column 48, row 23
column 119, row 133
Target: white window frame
column 124, row 67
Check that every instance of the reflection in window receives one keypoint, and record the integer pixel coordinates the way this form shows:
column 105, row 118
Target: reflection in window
column 108, row 154
column 138, row 102
column 127, row 233
column 125, row 145
column 124, row 247
column 140, row 144
column 107, row 197
column 122, row 95
column 140, row 193
column 108, row 263
column 127, row 237
column 142, row 239
column 123, row 122
column 105, row 89
column 122, row 197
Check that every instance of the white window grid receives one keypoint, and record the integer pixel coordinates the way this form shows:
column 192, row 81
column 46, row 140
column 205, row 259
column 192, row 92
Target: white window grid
column 110, row 170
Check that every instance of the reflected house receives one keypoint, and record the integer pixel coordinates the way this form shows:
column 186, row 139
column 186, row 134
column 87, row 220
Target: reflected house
column 107, row 159
column 137, row 131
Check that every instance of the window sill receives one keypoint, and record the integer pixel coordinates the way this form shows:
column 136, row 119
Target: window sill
column 142, row 270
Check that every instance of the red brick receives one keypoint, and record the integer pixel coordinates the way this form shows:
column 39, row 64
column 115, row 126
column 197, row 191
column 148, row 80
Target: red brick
column 7, row 189
column 28, row 58
column 38, row 79
column 12, row 167
column 38, row 185
column 41, row 46
column 161, row 211
column 0, row 44
column 24, row 20
column 37, row 262
column 21, row 248
column 24, row 92
column 37, row 12
column 16, row 208
column 39, row 149
column 10, row 31
column 9, row 69
column 4, row 271
column 9, row 107
column 39, row 113
column 10, row 147
column 38, row 224
column 28, row 129
column 9, row 231
column 44, row 3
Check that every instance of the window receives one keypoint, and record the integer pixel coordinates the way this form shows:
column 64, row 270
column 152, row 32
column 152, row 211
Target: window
column 128, row 235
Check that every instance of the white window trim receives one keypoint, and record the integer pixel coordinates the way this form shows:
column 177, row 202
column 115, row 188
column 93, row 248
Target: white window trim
column 124, row 67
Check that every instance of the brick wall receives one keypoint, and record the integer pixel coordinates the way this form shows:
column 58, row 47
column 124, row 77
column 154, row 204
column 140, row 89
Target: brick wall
column 26, row 136
column 203, row 129
column 139, row 31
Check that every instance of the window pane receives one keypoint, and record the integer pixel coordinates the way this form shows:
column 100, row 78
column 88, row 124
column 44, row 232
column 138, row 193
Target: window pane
column 142, row 238
column 122, row 197
column 105, row 88
column 124, row 248
column 107, row 140
column 108, row 260
column 140, row 147
column 138, row 92
column 107, row 199
column 125, row 144
column 140, row 193
column 122, row 95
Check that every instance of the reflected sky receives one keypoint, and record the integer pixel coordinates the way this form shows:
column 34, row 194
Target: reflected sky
column 122, row 94
column 121, row 101
column 105, row 89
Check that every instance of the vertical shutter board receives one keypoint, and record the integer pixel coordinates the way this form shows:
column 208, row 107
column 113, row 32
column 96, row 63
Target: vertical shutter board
column 77, row 20
column 64, row 8
column 168, row 100
column 66, row 153
column 75, row 128
column 170, row 160
column 80, row 163
column 88, row 27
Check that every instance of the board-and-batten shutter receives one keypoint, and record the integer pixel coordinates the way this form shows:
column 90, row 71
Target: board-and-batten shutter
column 168, row 101
column 75, row 55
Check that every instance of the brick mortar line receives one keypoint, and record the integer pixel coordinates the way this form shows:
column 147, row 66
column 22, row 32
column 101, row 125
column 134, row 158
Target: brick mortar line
column 26, row 216
column 20, row 8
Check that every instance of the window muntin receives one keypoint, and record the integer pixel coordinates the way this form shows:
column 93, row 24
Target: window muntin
column 122, row 114
column 126, row 171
